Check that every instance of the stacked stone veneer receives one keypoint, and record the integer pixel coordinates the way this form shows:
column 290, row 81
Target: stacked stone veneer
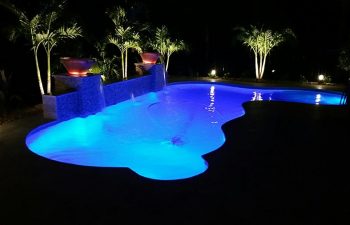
column 91, row 96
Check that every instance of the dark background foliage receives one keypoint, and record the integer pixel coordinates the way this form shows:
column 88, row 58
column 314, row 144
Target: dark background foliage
column 322, row 30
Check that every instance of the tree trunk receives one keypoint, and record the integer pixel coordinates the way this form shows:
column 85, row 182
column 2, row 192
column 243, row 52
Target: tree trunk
column 167, row 63
column 260, row 65
column 126, row 64
column 48, row 72
column 256, row 66
column 122, row 60
column 263, row 66
column 161, row 58
column 42, row 91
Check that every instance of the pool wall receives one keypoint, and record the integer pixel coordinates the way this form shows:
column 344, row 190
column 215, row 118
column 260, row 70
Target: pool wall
column 90, row 96
column 125, row 90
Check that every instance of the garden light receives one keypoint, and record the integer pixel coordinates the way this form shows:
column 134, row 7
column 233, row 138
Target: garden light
column 213, row 72
column 321, row 77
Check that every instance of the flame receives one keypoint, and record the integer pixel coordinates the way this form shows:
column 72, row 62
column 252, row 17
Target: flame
column 149, row 62
column 77, row 73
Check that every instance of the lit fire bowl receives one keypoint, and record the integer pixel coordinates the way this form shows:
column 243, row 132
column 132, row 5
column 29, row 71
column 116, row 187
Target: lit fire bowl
column 77, row 67
column 149, row 57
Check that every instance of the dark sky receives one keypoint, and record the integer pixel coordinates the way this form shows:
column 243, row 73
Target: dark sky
column 322, row 30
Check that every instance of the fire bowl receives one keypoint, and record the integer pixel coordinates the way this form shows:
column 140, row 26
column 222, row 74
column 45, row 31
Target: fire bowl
column 77, row 67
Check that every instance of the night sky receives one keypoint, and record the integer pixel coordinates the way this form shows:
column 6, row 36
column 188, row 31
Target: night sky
column 322, row 30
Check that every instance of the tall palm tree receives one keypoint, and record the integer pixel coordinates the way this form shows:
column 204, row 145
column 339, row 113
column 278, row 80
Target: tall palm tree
column 133, row 42
column 173, row 46
column 166, row 46
column 40, row 31
column 124, row 37
column 261, row 42
column 51, row 38
column 160, row 43
column 118, row 39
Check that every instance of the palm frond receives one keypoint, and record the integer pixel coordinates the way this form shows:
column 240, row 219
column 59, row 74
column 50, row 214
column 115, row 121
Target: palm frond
column 41, row 37
column 117, row 15
column 70, row 32
column 117, row 42
column 49, row 19
column 35, row 23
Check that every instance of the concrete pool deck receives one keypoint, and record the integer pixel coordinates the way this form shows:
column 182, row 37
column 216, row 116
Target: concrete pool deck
column 282, row 163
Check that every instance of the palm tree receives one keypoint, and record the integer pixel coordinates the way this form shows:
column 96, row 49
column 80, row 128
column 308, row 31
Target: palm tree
column 118, row 41
column 133, row 42
column 39, row 30
column 165, row 46
column 124, row 37
column 160, row 42
column 173, row 46
column 261, row 42
column 52, row 38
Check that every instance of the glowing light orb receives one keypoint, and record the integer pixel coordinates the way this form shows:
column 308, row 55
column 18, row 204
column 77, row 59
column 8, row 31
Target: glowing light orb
column 321, row 77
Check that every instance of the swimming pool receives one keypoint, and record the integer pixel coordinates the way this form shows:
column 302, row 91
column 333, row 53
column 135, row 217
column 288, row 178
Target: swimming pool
column 160, row 135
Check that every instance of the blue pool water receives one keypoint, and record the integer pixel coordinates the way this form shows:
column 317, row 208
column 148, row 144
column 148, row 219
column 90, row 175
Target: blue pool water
column 160, row 135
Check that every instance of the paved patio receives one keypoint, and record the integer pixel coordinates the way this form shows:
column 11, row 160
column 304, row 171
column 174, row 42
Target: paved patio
column 282, row 163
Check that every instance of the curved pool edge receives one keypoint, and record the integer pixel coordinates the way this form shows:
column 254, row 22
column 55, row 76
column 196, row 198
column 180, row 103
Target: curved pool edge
column 203, row 156
column 39, row 128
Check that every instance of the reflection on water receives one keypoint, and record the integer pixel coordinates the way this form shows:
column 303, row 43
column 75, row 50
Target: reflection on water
column 318, row 99
column 257, row 96
column 211, row 107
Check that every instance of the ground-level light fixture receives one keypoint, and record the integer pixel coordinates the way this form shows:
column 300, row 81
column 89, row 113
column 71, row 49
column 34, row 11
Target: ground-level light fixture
column 321, row 77
column 213, row 72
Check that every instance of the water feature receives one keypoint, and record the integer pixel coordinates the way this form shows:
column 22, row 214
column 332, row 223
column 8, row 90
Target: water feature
column 165, row 134
column 164, row 76
column 132, row 97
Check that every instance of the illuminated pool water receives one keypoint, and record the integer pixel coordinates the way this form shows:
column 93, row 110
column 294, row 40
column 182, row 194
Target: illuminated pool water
column 160, row 135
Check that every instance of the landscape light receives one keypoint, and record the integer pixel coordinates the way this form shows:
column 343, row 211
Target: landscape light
column 213, row 72
column 321, row 77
